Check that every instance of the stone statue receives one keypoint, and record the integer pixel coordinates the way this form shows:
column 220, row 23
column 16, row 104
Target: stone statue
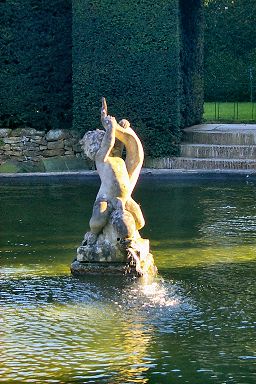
column 116, row 217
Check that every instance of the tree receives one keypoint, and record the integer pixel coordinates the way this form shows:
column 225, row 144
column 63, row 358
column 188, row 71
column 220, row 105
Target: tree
column 230, row 49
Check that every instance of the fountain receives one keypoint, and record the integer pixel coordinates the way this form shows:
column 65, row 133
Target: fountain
column 113, row 243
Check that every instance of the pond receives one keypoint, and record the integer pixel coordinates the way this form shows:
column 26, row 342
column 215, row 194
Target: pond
column 194, row 323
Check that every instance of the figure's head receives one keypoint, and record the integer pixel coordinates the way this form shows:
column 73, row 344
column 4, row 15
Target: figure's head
column 91, row 142
column 124, row 123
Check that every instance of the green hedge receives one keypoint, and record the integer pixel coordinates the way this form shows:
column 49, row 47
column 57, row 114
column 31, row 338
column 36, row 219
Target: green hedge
column 118, row 46
column 230, row 53
column 192, row 68
column 145, row 58
column 35, row 63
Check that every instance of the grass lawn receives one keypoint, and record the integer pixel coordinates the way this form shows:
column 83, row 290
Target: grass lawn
column 230, row 112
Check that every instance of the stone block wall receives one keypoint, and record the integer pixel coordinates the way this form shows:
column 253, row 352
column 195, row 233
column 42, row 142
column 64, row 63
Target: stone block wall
column 31, row 145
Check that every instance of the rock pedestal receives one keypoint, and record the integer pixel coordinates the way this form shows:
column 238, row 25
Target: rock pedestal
column 113, row 244
column 122, row 256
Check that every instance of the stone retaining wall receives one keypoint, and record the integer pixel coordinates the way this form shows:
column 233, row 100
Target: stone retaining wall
column 30, row 146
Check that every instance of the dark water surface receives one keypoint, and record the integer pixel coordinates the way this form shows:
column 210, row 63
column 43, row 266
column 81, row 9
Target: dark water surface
column 194, row 323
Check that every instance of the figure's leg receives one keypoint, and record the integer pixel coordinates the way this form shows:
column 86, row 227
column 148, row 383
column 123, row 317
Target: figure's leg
column 100, row 215
column 124, row 223
column 135, row 210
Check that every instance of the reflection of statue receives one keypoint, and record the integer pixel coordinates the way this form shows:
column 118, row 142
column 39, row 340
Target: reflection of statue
column 116, row 217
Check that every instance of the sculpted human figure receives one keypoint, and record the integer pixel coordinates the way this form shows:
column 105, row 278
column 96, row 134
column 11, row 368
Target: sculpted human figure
column 113, row 243
column 118, row 176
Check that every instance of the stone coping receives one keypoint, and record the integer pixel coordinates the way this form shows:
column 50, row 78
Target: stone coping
column 144, row 172
column 221, row 127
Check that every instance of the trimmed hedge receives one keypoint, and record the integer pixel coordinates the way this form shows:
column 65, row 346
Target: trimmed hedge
column 192, row 67
column 144, row 57
column 129, row 52
column 35, row 76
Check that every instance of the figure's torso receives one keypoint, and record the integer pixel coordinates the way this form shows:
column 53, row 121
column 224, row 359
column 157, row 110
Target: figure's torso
column 114, row 177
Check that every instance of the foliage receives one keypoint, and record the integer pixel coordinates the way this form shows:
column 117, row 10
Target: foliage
column 129, row 52
column 144, row 57
column 230, row 49
column 192, row 61
column 35, row 77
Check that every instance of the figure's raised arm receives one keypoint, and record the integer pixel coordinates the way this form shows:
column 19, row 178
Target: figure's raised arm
column 134, row 152
column 126, row 135
column 108, row 140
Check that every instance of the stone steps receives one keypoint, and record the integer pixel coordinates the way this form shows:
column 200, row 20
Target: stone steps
column 213, row 147
column 220, row 138
column 218, row 151
column 221, row 134
column 203, row 163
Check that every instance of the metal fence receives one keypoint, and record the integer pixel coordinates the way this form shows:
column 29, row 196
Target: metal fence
column 233, row 99
column 230, row 111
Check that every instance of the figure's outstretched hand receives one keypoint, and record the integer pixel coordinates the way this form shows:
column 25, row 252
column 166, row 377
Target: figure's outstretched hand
column 108, row 122
column 104, row 109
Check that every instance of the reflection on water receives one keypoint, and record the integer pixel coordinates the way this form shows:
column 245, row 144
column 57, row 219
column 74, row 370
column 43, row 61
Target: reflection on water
column 87, row 330
column 194, row 323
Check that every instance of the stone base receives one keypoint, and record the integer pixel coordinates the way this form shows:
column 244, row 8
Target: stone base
column 108, row 254
column 81, row 268
column 132, row 267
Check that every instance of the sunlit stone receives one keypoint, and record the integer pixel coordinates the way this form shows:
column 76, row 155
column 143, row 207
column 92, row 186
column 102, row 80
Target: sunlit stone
column 113, row 243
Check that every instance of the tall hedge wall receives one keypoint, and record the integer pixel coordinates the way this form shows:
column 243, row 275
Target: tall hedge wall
column 192, row 69
column 129, row 52
column 143, row 56
column 35, row 63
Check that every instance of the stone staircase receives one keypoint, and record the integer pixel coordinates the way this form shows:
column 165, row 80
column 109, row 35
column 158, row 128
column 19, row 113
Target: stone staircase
column 214, row 147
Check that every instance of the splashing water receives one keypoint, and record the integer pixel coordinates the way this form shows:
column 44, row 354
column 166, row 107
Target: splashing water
column 157, row 294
